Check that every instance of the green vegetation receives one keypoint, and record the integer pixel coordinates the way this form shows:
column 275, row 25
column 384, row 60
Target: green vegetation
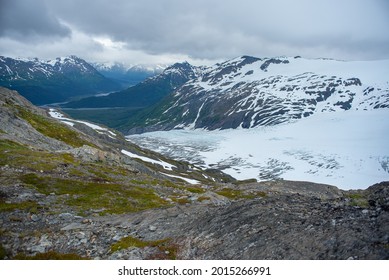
column 165, row 246
column 31, row 206
column 358, row 199
column 16, row 155
column 239, row 194
column 84, row 196
column 195, row 189
column 52, row 129
column 51, row 255
column 203, row 198
column 247, row 181
column 129, row 241
column 3, row 253
column 181, row 200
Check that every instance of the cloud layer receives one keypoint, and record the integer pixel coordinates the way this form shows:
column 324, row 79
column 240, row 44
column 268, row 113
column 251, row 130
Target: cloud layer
column 162, row 31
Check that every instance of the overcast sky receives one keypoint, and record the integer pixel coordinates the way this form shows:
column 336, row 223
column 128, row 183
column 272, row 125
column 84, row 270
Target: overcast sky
column 200, row 31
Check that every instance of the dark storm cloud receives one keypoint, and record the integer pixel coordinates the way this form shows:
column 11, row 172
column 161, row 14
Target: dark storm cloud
column 28, row 19
column 220, row 28
column 215, row 29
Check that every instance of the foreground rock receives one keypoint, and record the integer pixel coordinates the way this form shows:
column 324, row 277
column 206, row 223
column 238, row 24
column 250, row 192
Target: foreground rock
column 283, row 224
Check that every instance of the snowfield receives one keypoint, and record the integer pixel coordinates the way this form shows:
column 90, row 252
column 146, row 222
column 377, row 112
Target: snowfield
column 348, row 149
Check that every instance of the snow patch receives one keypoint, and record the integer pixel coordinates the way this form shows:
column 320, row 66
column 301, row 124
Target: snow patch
column 164, row 164
column 57, row 115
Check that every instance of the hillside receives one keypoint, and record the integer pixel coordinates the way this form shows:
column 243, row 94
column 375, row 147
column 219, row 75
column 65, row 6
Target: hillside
column 44, row 82
column 249, row 92
column 71, row 189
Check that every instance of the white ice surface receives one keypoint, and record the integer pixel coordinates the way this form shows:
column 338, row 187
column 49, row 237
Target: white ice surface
column 347, row 149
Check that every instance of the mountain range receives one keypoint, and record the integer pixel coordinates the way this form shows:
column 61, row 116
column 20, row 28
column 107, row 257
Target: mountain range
column 58, row 80
column 244, row 92
column 248, row 92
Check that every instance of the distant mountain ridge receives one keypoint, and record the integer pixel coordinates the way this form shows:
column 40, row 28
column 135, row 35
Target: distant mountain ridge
column 247, row 92
column 146, row 93
column 52, row 81
column 128, row 75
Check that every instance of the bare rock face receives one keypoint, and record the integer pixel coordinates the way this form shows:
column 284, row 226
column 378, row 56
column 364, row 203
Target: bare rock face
column 289, row 227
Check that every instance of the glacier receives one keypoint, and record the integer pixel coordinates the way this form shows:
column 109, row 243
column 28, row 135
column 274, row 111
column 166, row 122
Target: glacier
column 347, row 149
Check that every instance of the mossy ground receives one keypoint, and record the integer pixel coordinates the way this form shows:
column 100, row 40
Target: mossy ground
column 18, row 156
column 86, row 196
column 51, row 255
column 3, row 253
column 167, row 250
column 52, row 129
column 358, row 199
column 234, row 194
column 96, row 186
column 86, row 186
column 30, row 206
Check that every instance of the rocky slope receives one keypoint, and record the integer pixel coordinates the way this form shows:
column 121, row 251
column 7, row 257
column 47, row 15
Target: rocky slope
column 44, row 82
column 248, row 92
column 72, row 189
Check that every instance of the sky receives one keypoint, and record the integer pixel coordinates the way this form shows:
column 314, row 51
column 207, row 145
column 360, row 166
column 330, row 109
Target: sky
column 200, row 31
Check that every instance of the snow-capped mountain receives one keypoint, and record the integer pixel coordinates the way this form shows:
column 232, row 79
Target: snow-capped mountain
column 47, row 81
column 249, row 92
column 128, row 75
